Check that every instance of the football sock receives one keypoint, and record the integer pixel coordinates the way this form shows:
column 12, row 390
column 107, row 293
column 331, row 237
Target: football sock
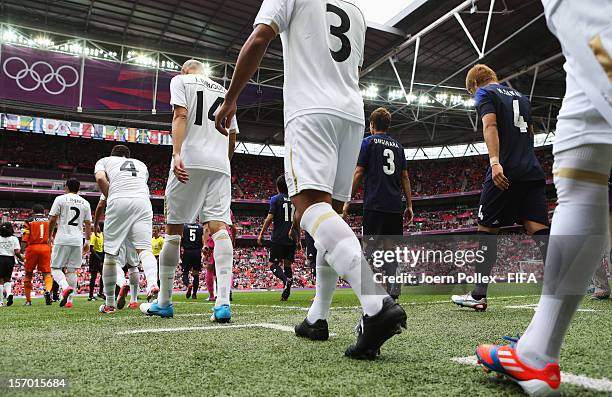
column 134, row 276
column 488, row 245
column 8, row 288
column 185, row 278
column 326, row 281
column 2, row 292
column 224, row 256
column 55, row 287
column 581, row 178
column 278, row 272
column 149, row 266
column 48, row 282
column 196, row 282
column 92, row 283
column 289, row 272
column 120, row 277
column 60, row 278
column 168, row 260
column 210, row 282
column 109, row 275
column 343, row 253
column 27, row 287
column 541, row 239
column 72, row 282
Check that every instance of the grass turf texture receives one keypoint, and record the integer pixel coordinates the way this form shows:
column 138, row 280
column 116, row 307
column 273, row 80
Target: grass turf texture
column 82, row 345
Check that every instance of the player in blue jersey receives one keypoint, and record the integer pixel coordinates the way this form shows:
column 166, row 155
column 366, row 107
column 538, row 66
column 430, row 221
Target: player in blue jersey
column 514, row 189
column 192, row 244
column 282, row 248
column 383, row 169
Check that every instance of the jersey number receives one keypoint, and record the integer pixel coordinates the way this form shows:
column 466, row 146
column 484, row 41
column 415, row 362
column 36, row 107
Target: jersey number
column 339, row 32
column 192, row 235
column 519, row 121
column 289, row 211
column 129, row 167
column 77, row 214
column 389, row 168
column 200, row 108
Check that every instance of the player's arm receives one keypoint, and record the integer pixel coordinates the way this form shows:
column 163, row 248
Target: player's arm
column 264, row 228
column 87, row 236
column 100, row 208
column 249, row 59
column 102, row 181
column 357, row 179
column 491, row 137
column 234, row 234
column 179, row 128
column 409, row 214
column 232, row 144
column 52, row 225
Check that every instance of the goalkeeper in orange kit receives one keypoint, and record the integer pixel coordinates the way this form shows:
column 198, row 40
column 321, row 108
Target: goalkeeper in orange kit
column 37, row 253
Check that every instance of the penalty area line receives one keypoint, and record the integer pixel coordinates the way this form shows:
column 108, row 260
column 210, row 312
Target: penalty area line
column 603, row 384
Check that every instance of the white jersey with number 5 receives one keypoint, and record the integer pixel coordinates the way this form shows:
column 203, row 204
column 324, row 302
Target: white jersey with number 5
column 128, row 177
column 323, row 45
column 204, row 147
column 72, row 211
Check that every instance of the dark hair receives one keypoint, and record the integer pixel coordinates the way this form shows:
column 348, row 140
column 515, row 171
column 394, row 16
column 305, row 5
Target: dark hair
column 38, row 209
column 281, row 184
column 381, row 119
column 73, row 185
column 121, row 151
column 6, row 229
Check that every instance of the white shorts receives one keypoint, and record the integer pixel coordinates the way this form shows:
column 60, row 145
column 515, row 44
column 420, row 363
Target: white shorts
column 69, row 256
column 321, row 152
column 128, row 255
column 584, row 29
column 207, row 194
column 128, row 219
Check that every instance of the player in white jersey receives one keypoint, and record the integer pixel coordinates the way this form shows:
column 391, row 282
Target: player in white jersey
column 129, row 216
column 323, row 46
column 199, row 184
column 128, row 260
column 583, row 158
column 69, row 213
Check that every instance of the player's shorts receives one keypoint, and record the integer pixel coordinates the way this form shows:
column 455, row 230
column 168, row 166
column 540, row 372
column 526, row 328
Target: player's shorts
column 377, row 223
column 192, row 260
column 7, row 263
column 207, row 194
column 128, row 256
column 95, row 262
column 279, row 252
column 128, row 219
column 38, row 257
column 321, row 152
column 69, row 256
column 585, row 31
column 523, row 201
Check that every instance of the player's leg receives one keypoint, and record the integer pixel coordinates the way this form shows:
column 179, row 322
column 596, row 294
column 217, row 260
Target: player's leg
column 195, row 272
column 275, row 261
column 134, row 278
column 58, row 262
column 1, row 287
column 109, row 274
column 44, row 266
column 210, row 280
column 288, row 257
column 185, row 269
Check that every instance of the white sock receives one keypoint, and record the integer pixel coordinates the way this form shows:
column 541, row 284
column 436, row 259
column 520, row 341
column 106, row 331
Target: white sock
column 168, row 261
column 120, row 275
column 8, row 288
column 2, row 293
column 577, row 238
column 326, row 281
column 134, row 276
column 60, row 278
column 343, row 253
column 224, row 256
column 71, row 277
column 109, row 275
column 149, row 266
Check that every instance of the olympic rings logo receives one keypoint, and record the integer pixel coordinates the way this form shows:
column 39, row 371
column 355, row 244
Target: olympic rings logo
column 40, row 78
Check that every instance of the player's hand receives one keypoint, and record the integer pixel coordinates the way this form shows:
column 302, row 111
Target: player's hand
column 97, row 229
column 179, row 169
column 345, row 209
column 499, row 179
column 294, row 233
column 408, row 215
column 224, row 116
column 85, row 250
column 259, row 240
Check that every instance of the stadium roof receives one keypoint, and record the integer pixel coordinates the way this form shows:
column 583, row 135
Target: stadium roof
column 510, row 36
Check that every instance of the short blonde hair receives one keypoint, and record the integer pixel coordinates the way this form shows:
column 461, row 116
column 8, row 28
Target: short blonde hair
column 193, row 65
column 479, row 76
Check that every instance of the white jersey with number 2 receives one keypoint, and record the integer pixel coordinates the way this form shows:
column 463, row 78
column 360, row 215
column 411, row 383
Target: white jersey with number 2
column 323, row 48
column 72, row 211
column 128, row 177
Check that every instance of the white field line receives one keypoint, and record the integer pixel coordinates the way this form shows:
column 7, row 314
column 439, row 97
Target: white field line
column 534, row 307
column 276, row 327
column 603, row 384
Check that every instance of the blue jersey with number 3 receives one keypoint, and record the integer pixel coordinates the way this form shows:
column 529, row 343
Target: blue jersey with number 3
column 513, row 112
column 384, row 161
column 282, row 212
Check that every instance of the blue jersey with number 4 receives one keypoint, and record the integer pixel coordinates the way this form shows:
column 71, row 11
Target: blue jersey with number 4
column 384, row 161
column 282, row 212
column 513, row 112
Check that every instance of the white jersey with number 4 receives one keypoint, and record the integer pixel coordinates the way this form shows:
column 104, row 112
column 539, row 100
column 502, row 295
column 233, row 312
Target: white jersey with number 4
column 72, row 211
column 128, row 177
column 323, row 45
column 203, row 147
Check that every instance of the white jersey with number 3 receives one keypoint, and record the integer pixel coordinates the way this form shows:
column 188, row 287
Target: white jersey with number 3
column 323, row 48
column 128, row 177
column 203, row 147
column 72, row 211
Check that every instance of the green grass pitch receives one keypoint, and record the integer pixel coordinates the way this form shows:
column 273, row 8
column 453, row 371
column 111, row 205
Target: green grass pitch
column 85, row 347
